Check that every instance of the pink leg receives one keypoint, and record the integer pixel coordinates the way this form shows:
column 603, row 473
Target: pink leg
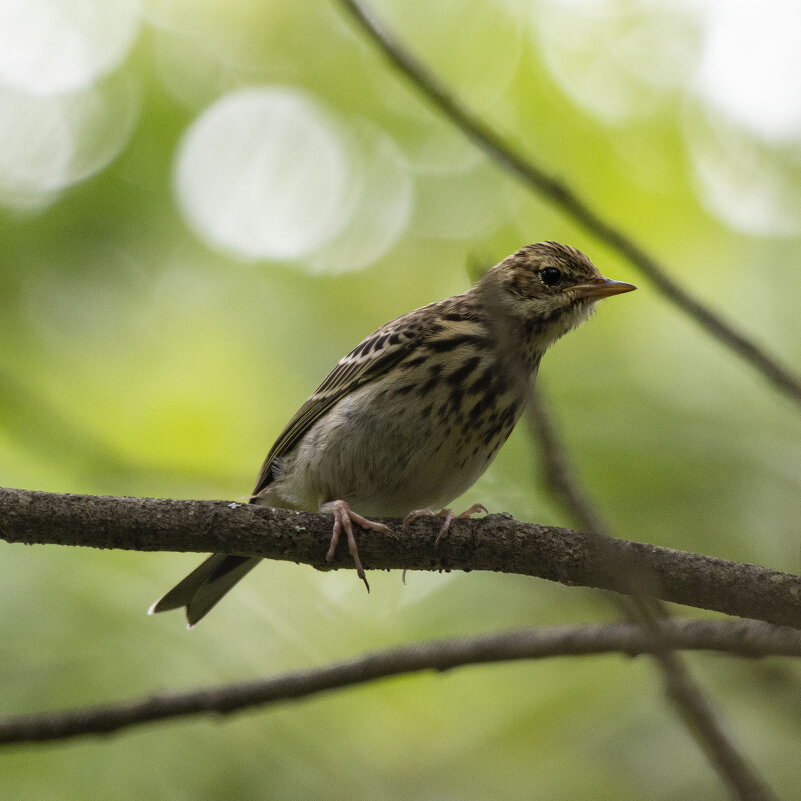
column 345, row 517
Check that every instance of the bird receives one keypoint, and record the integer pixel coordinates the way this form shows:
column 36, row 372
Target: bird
column 416, row 412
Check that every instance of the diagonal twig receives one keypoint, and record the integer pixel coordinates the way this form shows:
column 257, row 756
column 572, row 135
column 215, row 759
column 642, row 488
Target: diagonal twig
column 560, row 194
column 740, row 638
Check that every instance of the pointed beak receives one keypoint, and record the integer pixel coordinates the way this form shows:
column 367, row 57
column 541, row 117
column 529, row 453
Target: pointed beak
column 600, row 288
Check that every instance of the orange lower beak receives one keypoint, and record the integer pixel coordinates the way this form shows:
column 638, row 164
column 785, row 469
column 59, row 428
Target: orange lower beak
column 600, row 288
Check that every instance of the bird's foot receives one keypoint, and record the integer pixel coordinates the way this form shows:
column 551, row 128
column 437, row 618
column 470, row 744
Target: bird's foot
column 345, row 517
column 448, row 516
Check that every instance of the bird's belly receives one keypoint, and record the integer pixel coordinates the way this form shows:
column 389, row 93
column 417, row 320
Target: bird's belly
column 388, row 458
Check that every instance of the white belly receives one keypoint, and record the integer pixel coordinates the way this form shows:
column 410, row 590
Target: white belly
column 389, row 462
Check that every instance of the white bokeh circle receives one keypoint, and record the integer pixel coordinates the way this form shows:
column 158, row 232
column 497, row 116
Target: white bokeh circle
column 750, row 185
column 383, row 192
column 54, row 46
column 617, row 59
column 48, row 143
column 749, row 70
column 262, row 173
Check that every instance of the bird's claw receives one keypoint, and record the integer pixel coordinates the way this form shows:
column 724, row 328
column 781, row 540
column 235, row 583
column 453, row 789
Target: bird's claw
column 345, row 517
column 448, row 516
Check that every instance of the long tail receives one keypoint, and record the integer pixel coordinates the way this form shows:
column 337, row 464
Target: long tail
column 205, row 585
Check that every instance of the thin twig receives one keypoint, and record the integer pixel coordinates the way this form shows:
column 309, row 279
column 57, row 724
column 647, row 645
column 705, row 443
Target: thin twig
column 741, row 638
column 497, row 543
column 565, row 198
column 689, row 699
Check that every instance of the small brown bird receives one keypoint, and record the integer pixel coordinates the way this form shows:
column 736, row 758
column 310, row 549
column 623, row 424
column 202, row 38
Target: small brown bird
column 415, row 413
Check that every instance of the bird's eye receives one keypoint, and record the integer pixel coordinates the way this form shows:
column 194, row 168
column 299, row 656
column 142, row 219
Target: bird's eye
column 550, row 276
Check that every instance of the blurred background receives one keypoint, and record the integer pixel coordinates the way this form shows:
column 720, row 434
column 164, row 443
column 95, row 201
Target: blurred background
column 204, row 204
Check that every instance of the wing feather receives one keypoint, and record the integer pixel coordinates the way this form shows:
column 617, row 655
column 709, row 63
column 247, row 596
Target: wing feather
column 369, row 360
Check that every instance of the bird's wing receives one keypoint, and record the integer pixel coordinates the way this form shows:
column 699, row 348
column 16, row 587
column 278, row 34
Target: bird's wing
column 369, row 360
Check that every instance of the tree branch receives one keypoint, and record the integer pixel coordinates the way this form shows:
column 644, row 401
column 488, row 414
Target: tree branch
column 497, row 543
column 740, row 638
column 561, row 195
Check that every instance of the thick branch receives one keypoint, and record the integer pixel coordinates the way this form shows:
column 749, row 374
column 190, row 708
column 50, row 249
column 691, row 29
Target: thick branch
column 498, row 543
column 740, row 638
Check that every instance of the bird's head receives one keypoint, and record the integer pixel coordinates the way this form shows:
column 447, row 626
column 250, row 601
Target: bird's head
column 550, row 287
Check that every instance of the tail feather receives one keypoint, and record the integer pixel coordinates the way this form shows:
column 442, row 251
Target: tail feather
column 205, row 585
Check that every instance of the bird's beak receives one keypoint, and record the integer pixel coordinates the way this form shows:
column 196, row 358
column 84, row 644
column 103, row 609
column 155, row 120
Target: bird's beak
column 600, row 288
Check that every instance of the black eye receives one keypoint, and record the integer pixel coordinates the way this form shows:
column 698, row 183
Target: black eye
column 550, row 276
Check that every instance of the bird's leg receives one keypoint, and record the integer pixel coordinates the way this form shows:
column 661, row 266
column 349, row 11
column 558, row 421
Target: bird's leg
column 448, row 516
column 345, row 517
